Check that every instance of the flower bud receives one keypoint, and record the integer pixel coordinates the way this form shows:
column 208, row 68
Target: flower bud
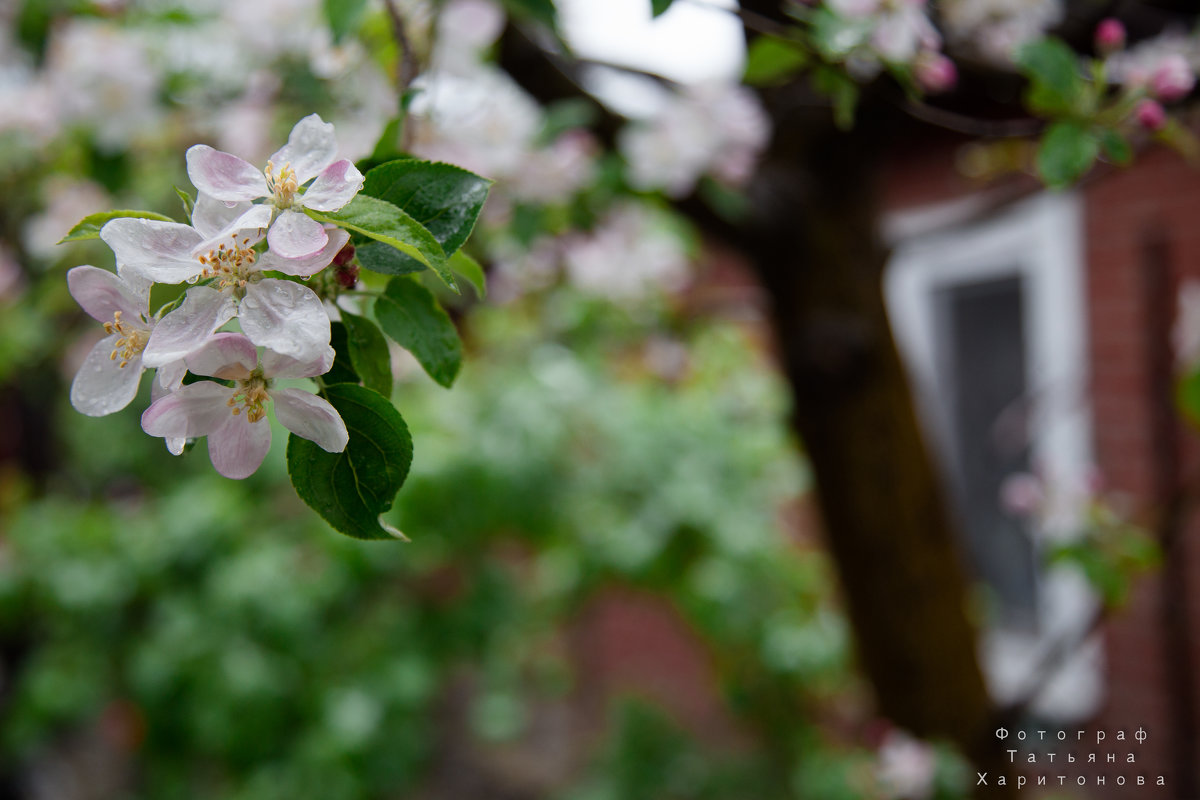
column 344, row 256
column 1172, row 79
column 1110, row 36
column 347, row 275
column 935, row 72
column 1151, row 115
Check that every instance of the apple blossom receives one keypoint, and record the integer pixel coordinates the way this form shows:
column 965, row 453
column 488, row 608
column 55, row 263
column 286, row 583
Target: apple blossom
column 1110, row 35
column 1173, row 78
column 108, row 379
column 309, row 154
column 935, row 72
column 285, row 316
column 232, row 417
column 1151, row 115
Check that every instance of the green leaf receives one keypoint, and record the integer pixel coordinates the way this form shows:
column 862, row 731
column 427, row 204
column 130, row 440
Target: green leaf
column 188, row 203
column 1187, row 397
column 1068, row 150
column 772, row 61
column 369, row 353
column 444, row 198
column 353, row 488
column 659, row 7
column 1116, row 147
column 470, row 269
column 386, row 223
column 89, row 227
column 409, row 313
column 342, row 370
column 542, row 11
column 379, row 257
column 1053, row 71
column 343, row 16
column 842, row 92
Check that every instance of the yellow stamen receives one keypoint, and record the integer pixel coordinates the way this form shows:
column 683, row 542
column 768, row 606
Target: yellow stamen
column 283, row 186
column 131, row 342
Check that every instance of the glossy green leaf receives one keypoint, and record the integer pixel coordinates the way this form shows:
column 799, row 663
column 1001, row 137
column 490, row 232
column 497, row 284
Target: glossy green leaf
column 379, row 257
column 410, row 314
column 470, row 269
column 444, row 198
column 659, row 7
column 342, row 370
column 89, row 227
column 343, row 16
column 772, row 61
column 353, row 488
column 1116, row 147
column 189, row 204
column 368, row 353
column 1056, row 84
column 384, row 222
column 1067, row 151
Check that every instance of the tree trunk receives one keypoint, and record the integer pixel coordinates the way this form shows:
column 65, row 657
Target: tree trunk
column 814, row 242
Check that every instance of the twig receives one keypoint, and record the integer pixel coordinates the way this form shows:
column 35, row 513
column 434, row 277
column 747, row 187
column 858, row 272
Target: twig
column 406, row 68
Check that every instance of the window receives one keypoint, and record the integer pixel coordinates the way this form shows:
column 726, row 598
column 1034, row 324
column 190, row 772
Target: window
column 988, row 314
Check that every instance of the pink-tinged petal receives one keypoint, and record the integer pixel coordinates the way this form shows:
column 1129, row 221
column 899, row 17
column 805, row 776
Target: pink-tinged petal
column 229, row 356
column 157, row 250
column 184, row 330
column 239, row 446
column 333, row 188
column 223, row 176
column 280, row 366
column 101, row 294
column 211, row 216
column 311, row 148
column 310, row 416
column 197, row 409
column 285, row 317
column 167, row 379
column 247, row 229
column 295, row 235
column 102, row 386
column 309, row 265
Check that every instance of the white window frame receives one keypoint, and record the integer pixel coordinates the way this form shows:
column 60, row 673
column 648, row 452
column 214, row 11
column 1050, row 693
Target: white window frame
column 1039, row 240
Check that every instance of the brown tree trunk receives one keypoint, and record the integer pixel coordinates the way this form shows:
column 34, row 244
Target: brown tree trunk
column 814, row 242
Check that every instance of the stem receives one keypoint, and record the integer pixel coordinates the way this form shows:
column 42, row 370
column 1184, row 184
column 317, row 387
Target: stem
column 406, row 68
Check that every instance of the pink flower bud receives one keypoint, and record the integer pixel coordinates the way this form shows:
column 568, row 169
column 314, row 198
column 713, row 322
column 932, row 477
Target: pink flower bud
column 935, row 72
column 1110, row 36
column 344, row 256
column 1172, row 78
column 1151, row 115
column 1021, row 494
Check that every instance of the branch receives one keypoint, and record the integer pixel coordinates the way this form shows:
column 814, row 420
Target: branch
column 406, row 68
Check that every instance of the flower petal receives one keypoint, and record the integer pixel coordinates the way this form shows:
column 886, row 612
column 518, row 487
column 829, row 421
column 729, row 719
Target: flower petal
column 211, row 216
column 101, row 294
column 168, row 378
column 285, row 317
column 334, row 187
column 186, row 329
column 311, row 148
column 295, row 235
column 244, row 230
column 158, row 250
column 309, row 265
column 102, row 386
column 280, row 366
column 197, row 409
column 223, row 176
column 307, row 415
column 175, row 445
column 226, row 356
column 239, row 446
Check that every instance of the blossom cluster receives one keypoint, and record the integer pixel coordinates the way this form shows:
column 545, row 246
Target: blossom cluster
column 247, row 225
column 894, row 32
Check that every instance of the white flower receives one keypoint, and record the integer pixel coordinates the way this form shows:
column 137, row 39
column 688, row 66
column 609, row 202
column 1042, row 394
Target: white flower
column 234, row 418
column 906, row 767
column 309, row 154
column 109, row 377
column 631, row 254
column 282, row 315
